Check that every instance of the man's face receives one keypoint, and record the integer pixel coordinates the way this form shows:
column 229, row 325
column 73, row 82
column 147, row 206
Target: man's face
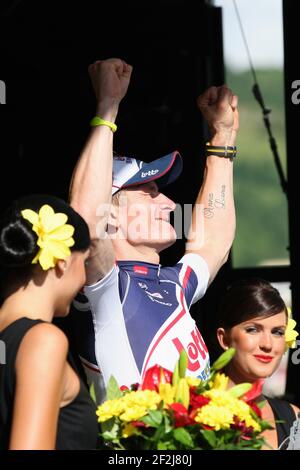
column 144, row 215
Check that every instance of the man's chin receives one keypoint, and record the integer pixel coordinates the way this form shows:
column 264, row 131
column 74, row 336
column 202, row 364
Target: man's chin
column 163, row 244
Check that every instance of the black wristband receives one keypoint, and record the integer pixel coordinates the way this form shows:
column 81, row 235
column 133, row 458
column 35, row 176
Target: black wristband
column 226, row 151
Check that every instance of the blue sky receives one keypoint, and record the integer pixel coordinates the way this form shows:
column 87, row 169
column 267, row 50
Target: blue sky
column 262, row 23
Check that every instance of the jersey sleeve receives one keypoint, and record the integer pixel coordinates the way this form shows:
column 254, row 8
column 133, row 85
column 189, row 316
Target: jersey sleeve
column 193, row 276
column 112, row 349
column 101, row 297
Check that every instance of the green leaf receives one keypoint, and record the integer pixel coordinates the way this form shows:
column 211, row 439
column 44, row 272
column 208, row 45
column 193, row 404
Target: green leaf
column 266, row 425
column 110, row 429
column 183, row 436
column 223, row 360
column 166, row 445
column 240, row 389
column 108, row 436
column 167, row 424
column 159, row 433
column 153, row 418
column 113, row 389
column 210, row 437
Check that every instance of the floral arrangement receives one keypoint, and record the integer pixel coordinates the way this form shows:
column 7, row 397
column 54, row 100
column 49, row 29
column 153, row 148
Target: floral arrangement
column 54, row 235
column 172, row 411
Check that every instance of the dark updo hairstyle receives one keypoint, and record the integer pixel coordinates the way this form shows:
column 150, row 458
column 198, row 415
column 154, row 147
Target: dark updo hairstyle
column 18, row 242
column 247, row 299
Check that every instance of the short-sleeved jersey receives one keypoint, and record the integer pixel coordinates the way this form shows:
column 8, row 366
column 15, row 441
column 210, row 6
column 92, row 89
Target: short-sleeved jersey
column 138, row 316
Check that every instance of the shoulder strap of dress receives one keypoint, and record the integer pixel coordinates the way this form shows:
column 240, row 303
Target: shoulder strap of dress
column 282, row 411
column 24, row 325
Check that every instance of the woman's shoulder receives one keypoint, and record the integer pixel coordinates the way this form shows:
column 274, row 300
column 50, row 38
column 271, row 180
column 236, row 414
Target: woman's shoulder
column 42, row 341
column 46, row 332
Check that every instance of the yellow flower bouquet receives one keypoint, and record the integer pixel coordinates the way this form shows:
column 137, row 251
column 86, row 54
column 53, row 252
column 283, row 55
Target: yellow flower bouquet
column 170, row 411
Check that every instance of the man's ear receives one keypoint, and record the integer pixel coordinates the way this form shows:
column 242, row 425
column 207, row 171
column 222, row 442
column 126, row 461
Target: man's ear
column 222, row 338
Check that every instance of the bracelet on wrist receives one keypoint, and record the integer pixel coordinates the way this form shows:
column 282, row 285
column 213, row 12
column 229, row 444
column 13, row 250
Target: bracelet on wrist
column 226, row 151
column 98, row 121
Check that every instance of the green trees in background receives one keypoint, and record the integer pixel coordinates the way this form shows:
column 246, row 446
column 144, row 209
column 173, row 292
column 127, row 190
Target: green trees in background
column 262, row 213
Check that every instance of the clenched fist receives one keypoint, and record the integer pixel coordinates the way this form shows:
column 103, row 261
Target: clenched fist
column 110, row 79
column 219, row 108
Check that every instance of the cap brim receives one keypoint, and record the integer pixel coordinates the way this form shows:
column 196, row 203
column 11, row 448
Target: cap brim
column 164, row 170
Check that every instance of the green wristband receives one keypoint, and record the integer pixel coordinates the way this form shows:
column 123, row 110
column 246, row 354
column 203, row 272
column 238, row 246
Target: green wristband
column 98, row 121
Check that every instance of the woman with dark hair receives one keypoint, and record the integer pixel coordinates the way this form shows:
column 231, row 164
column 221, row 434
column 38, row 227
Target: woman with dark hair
column 253, row 319
column 43, row 403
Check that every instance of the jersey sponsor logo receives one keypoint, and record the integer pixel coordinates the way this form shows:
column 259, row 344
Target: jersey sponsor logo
column 149, row 173
column 154, row 295
column 140, row 270
column 196, row 350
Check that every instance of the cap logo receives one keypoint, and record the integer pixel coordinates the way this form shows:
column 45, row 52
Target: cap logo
column 149, row 173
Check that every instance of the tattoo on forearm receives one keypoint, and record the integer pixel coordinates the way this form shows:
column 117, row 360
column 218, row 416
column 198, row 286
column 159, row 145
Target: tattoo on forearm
column 213, row 203
column 209, row 211
column 220, row 203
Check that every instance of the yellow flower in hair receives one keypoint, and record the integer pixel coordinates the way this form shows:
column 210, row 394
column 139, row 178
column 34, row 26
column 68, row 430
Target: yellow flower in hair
column 54, row 235
column 290, row 333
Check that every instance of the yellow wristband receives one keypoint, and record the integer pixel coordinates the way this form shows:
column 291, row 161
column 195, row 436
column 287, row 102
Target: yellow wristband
column 98, row 121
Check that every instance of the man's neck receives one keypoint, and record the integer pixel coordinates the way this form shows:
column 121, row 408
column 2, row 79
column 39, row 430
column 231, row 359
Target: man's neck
column 131, row 253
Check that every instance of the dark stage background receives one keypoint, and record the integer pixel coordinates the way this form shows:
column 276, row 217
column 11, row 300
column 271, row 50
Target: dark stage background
column 176, row 50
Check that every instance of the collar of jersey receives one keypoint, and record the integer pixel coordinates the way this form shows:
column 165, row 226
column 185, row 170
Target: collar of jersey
column 140, row 269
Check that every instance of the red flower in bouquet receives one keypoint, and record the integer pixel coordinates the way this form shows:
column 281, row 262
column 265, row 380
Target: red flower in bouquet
column 197, row 401
column 181, row 416
column 155, row 376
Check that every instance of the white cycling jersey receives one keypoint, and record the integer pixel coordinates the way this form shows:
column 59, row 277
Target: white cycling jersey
column 138, row 316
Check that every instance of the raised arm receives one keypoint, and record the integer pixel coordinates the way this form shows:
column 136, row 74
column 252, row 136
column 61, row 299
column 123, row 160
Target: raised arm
column 90, row 191
column 213, row 219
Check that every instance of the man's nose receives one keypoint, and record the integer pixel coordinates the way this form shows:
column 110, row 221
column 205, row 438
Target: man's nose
column 166, row 203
